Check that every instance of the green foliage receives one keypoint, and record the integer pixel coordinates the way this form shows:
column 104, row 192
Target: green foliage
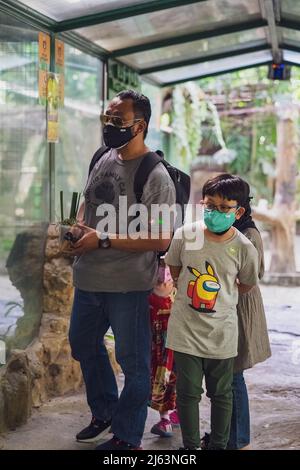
column 239, row 141
column 191, row 109
column 253, row 135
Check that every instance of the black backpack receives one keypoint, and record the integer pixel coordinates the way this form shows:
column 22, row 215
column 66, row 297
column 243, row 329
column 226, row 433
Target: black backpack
column 181, row 180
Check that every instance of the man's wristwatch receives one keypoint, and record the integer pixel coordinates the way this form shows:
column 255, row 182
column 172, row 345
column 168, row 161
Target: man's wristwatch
column 104, row 241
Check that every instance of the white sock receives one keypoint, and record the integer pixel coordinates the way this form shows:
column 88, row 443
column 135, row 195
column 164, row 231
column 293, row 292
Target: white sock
column 164, row 415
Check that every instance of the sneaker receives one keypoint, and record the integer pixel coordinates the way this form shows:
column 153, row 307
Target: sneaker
column 163, row 428
column 174, row 418
column 117, row 444
column 94, row 431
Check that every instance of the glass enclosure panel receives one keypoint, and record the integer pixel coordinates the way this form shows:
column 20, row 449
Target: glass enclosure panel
column 24, row 205
column 171, row 22
column 290, row 8
column 154, row 137
column 79, row 123
column 199, row 48
column 60, row 10
column 291, row 36
column 291, row 56
column 215, row 66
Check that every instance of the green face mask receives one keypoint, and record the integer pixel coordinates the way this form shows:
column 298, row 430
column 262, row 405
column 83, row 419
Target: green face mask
column 218, row 222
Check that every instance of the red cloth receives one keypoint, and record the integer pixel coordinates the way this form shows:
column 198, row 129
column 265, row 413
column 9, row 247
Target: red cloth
column 163, row 378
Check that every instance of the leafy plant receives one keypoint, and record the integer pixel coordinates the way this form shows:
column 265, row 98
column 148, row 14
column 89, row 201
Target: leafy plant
column 191, row 109
column 71, row 220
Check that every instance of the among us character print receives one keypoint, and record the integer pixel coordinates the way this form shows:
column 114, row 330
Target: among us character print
column 204, row 290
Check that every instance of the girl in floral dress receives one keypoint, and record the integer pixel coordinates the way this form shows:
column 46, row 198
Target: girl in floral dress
column 163, row 378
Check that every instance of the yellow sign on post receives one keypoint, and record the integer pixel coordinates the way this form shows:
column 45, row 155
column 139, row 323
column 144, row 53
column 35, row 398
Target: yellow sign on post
column 43, row 77
column 44, row 64
column 59, row 53
column 52, row 107
column 60, row 68
column 44, row 48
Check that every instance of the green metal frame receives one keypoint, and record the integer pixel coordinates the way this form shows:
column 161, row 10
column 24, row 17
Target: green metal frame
column 175, row 40
column 27, row 14
column 270, row 10
column 205, row 58
column 214, row 74
column 289, row 23
column 121, row 13
column 289, row 62
column 84, row 45
column 43, row 23
column 290, row 47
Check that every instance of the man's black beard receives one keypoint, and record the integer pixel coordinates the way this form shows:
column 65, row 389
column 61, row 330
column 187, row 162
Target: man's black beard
column 222, row 233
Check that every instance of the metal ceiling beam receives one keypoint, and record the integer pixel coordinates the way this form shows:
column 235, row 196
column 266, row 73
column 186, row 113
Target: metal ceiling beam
column 83, row 44
column 23, row 13
column 289, row 23
column 268, row 10
column 19, row 11
column 121, row 13
column 290, row 47
column 294, row 64
column 206, row 58
column 221, row 72
column 181, row 39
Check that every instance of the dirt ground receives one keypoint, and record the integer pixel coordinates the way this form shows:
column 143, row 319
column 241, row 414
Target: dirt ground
column 274, row 391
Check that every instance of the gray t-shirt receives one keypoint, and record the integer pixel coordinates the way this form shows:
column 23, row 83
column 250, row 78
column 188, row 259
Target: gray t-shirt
column 111, row 270
column 203, row 319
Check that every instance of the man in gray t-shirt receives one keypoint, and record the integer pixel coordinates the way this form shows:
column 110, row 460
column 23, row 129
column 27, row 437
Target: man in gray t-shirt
column 113, row 275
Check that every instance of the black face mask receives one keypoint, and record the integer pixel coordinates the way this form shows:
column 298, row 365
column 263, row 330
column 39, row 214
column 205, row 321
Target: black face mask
column 117, row 137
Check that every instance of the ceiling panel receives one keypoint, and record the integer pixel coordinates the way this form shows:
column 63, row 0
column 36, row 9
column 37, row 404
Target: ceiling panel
column 190, row 50
column 212, row 67
column 61, row 10
column 202, row 16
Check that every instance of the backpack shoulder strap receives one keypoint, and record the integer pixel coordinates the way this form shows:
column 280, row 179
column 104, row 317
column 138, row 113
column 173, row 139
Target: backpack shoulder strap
column 148, row 163
column 97, row 155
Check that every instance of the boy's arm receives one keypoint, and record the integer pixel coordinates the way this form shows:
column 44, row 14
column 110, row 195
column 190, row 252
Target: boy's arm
column 175, row 271
column 173, row 257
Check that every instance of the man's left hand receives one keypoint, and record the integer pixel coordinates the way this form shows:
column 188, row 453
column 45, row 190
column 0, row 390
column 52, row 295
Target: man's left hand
column 88, row 242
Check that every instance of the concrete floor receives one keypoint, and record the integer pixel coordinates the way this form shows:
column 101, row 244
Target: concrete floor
column 274, row 390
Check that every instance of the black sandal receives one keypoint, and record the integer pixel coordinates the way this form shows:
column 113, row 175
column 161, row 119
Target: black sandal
column 204, row 442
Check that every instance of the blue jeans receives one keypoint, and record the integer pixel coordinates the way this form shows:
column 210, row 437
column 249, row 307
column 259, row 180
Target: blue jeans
column 128, row 315
column 240, row 420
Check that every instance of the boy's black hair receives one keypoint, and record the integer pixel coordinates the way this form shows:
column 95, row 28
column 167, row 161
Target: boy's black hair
column 141, row 105
column 228, row 187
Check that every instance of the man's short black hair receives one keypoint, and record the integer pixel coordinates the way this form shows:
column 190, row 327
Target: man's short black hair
column 141, row 105
column 228, row 187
